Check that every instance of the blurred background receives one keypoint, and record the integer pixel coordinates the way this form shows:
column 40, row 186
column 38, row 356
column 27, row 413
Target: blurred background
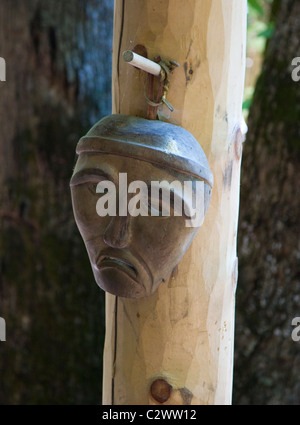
column 58, row 67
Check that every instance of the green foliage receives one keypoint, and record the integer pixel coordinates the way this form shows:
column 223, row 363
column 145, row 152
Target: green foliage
column 256, row 6
column 260, row 29
column 268, row 32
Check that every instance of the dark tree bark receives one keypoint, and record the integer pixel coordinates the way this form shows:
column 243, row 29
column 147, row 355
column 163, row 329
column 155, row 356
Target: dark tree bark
column 267, row 360
column 58, row 83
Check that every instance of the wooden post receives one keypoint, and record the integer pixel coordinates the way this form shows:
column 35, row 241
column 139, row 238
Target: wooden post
column 176, row 347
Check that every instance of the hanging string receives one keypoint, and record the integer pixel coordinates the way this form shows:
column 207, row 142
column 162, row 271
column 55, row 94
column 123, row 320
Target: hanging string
column 154, row 102
column 158, row 80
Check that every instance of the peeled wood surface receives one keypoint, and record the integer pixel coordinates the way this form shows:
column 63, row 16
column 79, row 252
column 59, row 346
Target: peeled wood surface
column 184, row 333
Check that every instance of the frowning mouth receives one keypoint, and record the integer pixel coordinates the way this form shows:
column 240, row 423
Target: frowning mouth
column 105, row 262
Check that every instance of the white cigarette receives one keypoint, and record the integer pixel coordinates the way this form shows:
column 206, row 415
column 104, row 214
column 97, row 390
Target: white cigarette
column 142, row 63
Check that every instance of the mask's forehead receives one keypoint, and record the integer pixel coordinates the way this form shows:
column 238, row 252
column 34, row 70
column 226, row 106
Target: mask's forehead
column 156, row 142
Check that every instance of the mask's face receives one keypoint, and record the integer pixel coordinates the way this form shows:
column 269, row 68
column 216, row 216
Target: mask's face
column 130, row 254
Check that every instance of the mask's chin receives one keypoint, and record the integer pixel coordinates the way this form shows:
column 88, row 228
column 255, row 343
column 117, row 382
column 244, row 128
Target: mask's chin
column 119, row 283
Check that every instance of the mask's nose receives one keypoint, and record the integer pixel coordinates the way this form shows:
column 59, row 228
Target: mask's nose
column 117, row 234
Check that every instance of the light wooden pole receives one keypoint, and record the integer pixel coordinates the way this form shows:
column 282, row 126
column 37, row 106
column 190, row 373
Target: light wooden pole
column 184, row 333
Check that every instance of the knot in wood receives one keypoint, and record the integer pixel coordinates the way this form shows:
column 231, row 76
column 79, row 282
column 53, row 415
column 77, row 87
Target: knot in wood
column 161, row 390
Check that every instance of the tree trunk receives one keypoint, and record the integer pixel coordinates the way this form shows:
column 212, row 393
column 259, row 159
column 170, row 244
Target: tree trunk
column 184, row 333
column 267, row 359
column 57, row 85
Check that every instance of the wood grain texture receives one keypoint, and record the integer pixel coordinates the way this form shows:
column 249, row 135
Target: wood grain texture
column 184, row 333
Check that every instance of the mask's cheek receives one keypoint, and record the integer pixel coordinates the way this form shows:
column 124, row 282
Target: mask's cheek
column 163, row 242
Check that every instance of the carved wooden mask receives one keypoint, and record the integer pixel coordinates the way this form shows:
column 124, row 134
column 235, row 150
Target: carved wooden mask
column 139, row 189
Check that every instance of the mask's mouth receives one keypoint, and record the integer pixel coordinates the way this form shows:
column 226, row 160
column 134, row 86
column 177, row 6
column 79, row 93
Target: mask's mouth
column 105, row 262
column 120, row 272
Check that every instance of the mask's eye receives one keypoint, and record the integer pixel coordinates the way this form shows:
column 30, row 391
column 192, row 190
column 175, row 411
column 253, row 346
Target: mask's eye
column 92, row 187
column 161, row 206
column 171, row 205
column 90, row 180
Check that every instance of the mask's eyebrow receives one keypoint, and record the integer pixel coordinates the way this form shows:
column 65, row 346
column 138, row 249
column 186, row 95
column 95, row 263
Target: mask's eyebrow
column 89, row 175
